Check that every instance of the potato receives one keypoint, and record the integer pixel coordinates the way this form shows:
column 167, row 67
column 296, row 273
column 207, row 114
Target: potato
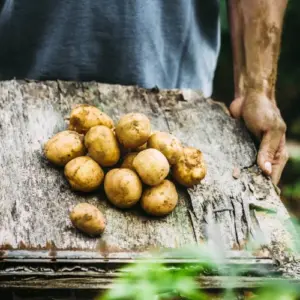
column 191, row 168
column 152, row 166
column 84, row 174
column 167, row 144
column 133, row 130
column 160, row 200
column 64, row 146
column 102, row 146
column 84, row 116
column 128, row 161
column 123, row 187
column 88, row 219
column 141, row 148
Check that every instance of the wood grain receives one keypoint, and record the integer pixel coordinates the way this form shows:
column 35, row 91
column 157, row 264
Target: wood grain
column 35, row 199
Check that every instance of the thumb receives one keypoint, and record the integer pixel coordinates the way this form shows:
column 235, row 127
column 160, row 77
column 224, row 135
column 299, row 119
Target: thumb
column 268, row 149
column 236, row 107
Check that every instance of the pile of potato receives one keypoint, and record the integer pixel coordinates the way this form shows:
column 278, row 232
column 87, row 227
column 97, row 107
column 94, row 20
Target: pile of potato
column 137, row 163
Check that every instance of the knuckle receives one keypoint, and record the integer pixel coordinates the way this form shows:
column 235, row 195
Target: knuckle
column 285, row 155
column 275, row 121
column 281, row 125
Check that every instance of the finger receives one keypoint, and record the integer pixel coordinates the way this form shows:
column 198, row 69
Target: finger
column 269, row 146
column 236, row 107
column 278, row 168
column 281, row 158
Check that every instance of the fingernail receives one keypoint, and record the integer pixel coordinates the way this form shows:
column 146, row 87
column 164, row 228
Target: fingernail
column 268, row 167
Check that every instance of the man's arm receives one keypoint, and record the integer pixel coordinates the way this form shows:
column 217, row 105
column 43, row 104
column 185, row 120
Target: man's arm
column 238, row 53
column 256, row 27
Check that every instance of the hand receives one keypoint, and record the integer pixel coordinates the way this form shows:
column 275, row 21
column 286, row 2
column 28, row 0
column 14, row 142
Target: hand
column 263, row 119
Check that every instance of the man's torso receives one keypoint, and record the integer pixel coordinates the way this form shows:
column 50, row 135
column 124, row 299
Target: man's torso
column 171, row 44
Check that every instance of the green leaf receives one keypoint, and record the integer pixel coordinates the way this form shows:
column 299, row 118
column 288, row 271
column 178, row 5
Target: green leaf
column 145, row 291
column 184, row 285
column 121, row 290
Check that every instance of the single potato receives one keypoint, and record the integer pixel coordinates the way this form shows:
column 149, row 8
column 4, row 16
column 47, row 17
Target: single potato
column 160, row 200
column 88, row 219
column 123, row 187
column 128, row 161
column 191, row 168
column 84, row 174
column 64, row 146
column 84, row 116
column 133, row 130
column 102, row 146
column 167, row 144
column 152, row 166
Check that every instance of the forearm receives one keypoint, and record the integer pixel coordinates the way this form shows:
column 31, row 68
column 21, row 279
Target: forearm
column 256, row 43
column 238, row 53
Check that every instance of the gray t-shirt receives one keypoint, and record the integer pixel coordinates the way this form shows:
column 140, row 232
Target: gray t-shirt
column 164, row 43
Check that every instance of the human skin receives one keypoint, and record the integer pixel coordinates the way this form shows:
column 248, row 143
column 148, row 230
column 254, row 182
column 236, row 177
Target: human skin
column 256, row 27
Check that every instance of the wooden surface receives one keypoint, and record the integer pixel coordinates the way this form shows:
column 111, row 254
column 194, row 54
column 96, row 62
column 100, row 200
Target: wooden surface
column 35, row 199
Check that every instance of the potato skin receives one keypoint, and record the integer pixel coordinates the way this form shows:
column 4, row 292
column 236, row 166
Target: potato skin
column 152, row 166
column 141, row 148
column 160, row 200
column 123, row 187
column 191, row 168
column 133, row 130
column 84, row 116
column 64, row 146
column 128, row 161
column 84, row 174
column 88, row 219
column 167, row 144
column 102, row 146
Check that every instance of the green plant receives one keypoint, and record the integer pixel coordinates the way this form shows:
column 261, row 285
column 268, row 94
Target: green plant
column 151, row 279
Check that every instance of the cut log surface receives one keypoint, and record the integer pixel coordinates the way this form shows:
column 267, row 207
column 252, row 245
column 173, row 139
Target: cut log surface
column 234, row 204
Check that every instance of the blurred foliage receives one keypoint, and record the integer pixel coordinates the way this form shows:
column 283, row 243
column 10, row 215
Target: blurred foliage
column 291, row 186
column 288, row 85
column 150, row 280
